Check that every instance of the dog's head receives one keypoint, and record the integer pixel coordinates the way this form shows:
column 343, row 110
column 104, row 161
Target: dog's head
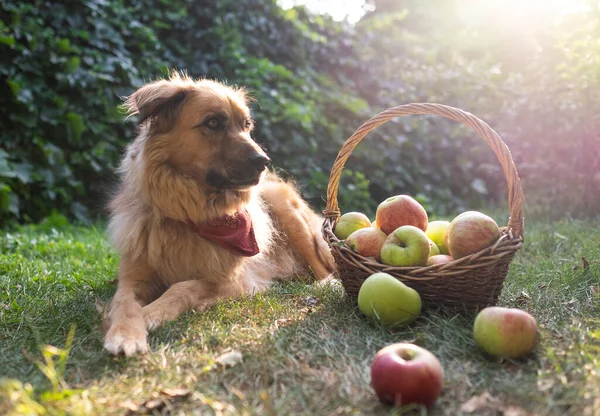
column 201, row 130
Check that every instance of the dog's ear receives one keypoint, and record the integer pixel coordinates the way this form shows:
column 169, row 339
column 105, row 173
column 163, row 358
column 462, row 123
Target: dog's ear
column 158, row 103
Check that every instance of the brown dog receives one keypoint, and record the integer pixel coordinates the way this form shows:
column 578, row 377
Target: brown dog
column 197, row 218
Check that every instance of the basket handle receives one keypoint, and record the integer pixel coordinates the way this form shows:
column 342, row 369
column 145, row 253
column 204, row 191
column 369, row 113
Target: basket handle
column 515, row 192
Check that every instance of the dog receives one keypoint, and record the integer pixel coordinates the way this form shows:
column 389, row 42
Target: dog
column 198, row 216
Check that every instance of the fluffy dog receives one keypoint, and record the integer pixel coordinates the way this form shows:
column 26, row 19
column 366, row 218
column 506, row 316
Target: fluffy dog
column 197, row 216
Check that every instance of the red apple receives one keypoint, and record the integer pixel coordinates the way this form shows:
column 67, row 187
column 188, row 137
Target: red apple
column 469, row 233
column 400, row 210
column 367, row 241
column 439, row 259
column 405, row 373
column 505, row 332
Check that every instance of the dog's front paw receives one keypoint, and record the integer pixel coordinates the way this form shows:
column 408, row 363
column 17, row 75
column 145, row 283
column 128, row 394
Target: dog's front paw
column 155, row 316
column 127, row 339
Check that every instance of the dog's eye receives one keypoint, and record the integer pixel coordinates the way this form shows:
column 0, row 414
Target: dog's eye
column 214, row 123
column 248, row 124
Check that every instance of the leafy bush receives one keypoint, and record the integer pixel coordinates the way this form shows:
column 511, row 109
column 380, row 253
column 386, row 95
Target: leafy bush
column 64, row 67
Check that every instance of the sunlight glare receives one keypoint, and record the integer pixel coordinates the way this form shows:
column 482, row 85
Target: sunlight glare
column 529, row 9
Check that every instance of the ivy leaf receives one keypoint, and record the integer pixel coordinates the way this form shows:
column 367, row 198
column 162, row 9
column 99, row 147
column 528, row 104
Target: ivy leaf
column 75, row 124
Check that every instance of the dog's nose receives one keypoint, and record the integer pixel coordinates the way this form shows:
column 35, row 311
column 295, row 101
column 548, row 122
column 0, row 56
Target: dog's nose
column 259, row 161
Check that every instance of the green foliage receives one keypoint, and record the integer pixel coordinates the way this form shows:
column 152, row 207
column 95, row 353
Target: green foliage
column 64, row 67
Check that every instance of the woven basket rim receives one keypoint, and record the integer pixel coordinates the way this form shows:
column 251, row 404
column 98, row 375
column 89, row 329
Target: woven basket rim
column 516, row 221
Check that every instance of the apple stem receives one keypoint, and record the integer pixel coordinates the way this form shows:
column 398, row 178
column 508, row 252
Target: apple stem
column 407, row 355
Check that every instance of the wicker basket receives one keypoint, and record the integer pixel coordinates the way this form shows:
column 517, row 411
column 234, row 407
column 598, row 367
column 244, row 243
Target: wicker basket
column 464, row 285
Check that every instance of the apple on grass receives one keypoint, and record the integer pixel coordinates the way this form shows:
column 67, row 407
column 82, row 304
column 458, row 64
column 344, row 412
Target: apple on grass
column 400, row 210
column 439, row 259
column 407, row 246
column 367, row 241
column 505, row 332
column 470, row 232
column 436, row 231
column 388, row 300
column 350, row 222
column 405, row 373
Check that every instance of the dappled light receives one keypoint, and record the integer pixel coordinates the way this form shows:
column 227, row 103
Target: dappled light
column 231, row 207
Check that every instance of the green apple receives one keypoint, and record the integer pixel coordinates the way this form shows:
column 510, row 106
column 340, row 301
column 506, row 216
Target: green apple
column 405, row 247
column 505, row 332
column 350, row 222
column 469, row 233
column 434, row 248
column 436, row 231
column 388, row 300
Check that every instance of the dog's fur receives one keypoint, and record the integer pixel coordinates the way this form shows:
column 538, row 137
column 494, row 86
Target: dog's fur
column 188, row 164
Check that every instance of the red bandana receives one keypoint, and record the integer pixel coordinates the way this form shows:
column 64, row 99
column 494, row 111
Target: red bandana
column 232, row 232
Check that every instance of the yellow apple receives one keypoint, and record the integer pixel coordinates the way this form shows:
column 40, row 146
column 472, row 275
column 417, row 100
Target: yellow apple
column 436, row 231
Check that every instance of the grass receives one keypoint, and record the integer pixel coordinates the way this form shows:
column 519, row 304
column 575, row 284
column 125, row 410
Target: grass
column 304, row 349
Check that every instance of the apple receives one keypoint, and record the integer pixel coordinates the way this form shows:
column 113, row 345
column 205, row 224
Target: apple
column 367, row 241
column 439, row 259
column 436, row 231
column 404, row 373
column 434, row 249
column 469, row 233
column 406, row 246
column 350, row 222
column 385, row 298
column 400, row 210
column 505, row 332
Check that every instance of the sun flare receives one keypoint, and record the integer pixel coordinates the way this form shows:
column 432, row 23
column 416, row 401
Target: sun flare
column 529, row 10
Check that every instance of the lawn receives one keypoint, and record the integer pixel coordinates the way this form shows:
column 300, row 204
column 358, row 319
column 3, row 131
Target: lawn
column 296, row 349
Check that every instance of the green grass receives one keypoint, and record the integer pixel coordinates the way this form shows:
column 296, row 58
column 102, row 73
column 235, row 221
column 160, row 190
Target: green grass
column 298, row 357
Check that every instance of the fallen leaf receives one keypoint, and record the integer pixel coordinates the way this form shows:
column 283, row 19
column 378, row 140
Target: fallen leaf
column 154, row 404
column 523, row 299
column 229, row 359
column 311, row 301
column 176, row 392
column 147, row 407
column 586, row 263
column 131, row 406
column 280, row 323
column 482, row 401
column 594, row 290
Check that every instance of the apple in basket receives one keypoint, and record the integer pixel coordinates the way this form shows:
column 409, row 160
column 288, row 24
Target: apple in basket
column 435, row 250
column 470, row 232
column 436, row 231
column 407, row 246
column 405, row 373
column 350, row 222
column 505, row 332
column 386, row 299
column 439, row 259
column 400, row 210
column 367, row 241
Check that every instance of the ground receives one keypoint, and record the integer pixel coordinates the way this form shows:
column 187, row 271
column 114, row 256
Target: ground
column 296, row 349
